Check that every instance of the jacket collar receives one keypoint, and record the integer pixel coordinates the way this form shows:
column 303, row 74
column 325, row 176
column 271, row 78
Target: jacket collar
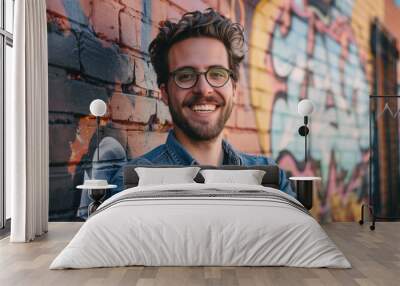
column 181, row 157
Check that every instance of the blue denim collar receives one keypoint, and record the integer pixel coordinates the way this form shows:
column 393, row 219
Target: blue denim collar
column 182, row 157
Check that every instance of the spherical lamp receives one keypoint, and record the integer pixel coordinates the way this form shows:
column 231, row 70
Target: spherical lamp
column 305, row 107
column 98, row 107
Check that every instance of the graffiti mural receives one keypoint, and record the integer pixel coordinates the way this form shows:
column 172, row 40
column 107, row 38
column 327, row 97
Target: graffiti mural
column 296, row 49
column 312, row 52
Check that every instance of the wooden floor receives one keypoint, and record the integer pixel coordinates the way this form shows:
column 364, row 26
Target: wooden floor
column 375, row 256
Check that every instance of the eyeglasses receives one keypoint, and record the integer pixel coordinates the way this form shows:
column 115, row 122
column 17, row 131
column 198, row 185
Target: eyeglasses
column 188, row 77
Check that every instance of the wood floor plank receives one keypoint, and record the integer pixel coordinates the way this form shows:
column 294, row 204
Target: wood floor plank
column 374, row 255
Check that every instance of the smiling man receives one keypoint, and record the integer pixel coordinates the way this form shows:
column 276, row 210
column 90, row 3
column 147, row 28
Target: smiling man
column 197, row 64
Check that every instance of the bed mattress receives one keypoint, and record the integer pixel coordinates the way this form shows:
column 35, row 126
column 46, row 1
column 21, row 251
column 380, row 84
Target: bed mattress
column 201, row 225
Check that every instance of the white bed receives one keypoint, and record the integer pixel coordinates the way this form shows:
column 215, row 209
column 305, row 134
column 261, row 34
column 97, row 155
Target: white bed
column 201, row 224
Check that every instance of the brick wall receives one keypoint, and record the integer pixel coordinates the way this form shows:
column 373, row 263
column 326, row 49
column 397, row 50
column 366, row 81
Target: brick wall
column 98, row 49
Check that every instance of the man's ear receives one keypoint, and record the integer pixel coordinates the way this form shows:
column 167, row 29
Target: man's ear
column 164, row 93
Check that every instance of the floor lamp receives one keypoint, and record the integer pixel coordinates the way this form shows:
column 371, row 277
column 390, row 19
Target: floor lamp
column 304, row 185
column 96, row 188
column 305, row 108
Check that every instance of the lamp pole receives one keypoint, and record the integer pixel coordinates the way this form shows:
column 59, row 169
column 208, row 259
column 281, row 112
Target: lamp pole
column 98, row 108
column 303, row 131
column 305, row 139
column 97, row 138
column 305, row 108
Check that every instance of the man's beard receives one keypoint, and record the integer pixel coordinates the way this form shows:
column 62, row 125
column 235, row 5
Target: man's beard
column 196, row 130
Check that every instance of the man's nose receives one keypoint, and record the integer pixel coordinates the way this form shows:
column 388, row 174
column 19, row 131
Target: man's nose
column 202, row 86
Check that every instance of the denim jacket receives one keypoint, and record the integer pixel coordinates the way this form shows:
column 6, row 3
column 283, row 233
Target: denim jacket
column 173, row 153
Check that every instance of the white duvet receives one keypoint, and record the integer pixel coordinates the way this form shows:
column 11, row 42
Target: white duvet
column 208, row 230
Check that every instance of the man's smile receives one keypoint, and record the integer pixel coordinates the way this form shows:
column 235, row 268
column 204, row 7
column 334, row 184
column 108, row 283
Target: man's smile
column 204, row 108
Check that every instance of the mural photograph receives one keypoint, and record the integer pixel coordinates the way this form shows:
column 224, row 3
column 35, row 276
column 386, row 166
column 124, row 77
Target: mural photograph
column 214, row 82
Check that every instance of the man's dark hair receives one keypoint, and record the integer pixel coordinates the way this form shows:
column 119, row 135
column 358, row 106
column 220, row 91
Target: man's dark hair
column 197, row 24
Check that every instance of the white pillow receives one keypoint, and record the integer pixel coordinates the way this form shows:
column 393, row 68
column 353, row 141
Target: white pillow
column 162, row 176
column 249, row 177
